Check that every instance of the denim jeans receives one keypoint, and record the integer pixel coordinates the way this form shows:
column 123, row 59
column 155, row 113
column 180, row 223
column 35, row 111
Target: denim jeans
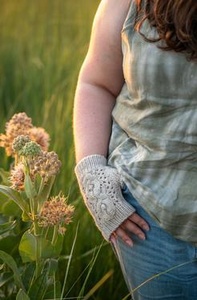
column 161, row 267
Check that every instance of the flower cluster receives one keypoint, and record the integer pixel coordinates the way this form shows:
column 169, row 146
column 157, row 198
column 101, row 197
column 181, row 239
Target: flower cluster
column 56, row 212
column 21, row 124
column 29, row 184
column 29, row 155
column 17, row 177
column 46, row 164
column 19, row 142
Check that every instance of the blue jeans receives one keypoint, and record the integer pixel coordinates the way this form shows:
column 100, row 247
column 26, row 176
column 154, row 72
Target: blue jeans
column 160, row 253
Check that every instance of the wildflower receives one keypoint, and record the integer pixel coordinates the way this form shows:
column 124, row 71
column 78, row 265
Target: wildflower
column 56, row 211
column 46, row 164
column 21, row 124
column 40, row 136
column 17, row 177
column 30, row 149
column 19, row 142
column 18, row 124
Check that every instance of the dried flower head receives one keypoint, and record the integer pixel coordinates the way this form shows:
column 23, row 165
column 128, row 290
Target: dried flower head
column 56, row 211
column 19, row 142
column 17, row 177
column 40, row 136
column 46, row 164
column 21, row 124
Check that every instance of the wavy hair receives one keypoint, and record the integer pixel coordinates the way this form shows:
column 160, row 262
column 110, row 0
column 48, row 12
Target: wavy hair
column 175, row 21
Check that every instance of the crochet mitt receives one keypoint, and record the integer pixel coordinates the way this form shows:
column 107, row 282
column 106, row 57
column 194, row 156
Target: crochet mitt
column 100, row 186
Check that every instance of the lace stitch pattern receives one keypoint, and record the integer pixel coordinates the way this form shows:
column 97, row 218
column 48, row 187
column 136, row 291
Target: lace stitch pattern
column 102, row 192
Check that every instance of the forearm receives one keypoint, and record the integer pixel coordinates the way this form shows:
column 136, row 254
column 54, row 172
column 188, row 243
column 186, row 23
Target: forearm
column 92, row 119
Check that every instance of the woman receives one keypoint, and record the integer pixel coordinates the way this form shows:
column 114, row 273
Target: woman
column 135, row 120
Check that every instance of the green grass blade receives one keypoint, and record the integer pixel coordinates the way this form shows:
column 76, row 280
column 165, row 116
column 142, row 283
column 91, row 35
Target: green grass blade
column 69, row 262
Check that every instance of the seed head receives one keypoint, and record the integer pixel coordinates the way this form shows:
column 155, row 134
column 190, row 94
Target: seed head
column 21, row 124
column 17, row 177
column 56, row 211
column 46, row 164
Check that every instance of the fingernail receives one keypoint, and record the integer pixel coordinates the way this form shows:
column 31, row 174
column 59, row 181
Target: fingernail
column 113, row 240
column 145, row 227
column 142, row 237
column 129, row 243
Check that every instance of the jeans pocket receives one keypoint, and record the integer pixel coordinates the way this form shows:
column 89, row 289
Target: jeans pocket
column 124, row 188
column 128, row 196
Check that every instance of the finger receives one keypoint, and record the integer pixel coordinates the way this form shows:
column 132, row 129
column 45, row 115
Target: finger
column 133, row 228
column 124, row 236
column 113, row 238
column 139, row 221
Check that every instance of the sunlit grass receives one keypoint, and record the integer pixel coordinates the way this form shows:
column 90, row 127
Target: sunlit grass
column 42, row 46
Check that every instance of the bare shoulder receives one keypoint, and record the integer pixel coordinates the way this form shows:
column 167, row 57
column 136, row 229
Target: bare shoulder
column 107, row 27
column 104, row 58
column 112, row 12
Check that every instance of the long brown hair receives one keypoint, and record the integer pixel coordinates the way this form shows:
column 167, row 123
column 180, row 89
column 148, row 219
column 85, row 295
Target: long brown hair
column 175, row 21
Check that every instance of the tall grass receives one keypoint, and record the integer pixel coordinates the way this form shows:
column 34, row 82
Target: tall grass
column 42, row 45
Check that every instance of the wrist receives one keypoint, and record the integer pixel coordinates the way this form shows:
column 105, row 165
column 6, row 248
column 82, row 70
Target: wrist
column 90, row 162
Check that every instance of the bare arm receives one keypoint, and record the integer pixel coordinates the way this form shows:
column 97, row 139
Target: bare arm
column 100, row 80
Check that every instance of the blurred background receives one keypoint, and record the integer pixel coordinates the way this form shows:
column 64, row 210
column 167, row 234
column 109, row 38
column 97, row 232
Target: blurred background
column 42, row 46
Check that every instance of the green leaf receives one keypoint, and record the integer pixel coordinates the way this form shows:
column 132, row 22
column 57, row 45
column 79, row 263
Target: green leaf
column 29, row 187
column 39, row 286
column 9, row 244
column 3, row 219
column 28, row 247
column 52, row 266
column 10, row 208
column 7, row 226
column 54, row 291
column 5, row 277
column 5, row 175
column 45, row 191
column 28, row 274
column 3, row 200
column 26, row 217
column 15, row 196
column 22, row 295
column 8, row 260
column 58, row 244
column 38, row 183
column 32, row 248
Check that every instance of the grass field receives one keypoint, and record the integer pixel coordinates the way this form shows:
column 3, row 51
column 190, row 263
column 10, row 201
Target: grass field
column 42, row 45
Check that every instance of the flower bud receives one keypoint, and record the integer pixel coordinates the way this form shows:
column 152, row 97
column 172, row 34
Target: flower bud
column 19, row 142
column 30, row 149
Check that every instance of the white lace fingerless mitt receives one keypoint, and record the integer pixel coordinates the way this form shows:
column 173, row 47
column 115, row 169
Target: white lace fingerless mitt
column 100, row 186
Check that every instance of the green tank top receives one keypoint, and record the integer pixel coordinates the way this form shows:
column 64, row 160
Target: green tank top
column 153, row 143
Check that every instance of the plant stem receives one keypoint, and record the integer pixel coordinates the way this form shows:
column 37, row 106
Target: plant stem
column 54, row 238
column 38, row 258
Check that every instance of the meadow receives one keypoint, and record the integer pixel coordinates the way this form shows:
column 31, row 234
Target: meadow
column 42, row 46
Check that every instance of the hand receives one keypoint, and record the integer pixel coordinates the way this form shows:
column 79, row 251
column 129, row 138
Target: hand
column 100, row 186
column 134, row 224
